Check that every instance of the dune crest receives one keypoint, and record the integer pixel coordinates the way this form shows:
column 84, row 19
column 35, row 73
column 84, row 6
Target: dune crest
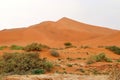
column 57, row 33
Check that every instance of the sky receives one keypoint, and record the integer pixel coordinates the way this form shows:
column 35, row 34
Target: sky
column 23, row 13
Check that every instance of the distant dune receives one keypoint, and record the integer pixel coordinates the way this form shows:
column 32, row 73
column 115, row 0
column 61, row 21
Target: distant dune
column 55, row 34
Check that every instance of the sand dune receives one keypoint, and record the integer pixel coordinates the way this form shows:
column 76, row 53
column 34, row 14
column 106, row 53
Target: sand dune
column 55, row 34
column 113, row 39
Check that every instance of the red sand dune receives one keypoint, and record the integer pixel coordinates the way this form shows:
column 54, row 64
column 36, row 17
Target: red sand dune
column 55, row 34
column 113, row 39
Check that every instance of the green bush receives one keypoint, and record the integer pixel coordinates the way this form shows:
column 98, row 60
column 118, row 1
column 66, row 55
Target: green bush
column 98, row 58
column 48, row 66
column 2, row 47
column 54, row 53
column 22, row 63
column 114, row 49
column 35, row 47
column 16, row 47
column 38, row 71
column 108, row 60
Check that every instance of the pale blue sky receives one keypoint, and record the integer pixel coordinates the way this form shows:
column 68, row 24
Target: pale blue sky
column 23, row 13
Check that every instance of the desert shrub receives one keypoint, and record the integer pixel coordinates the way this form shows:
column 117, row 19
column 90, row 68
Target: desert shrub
column 35, row 47
column 85, row 47
column 48, row 66
column 22, row 63
column 79, row 58
column 68, row 44
column 95, row 72
column 2, row 47
column 16, row 47
column 118, row 60
column 101, row 57
column 108, row 60
column 82, row 70
column 114, row 49
column 98, row 58
column 38, row 71
column 70, row 59
column 54, row 53
column 69, row 65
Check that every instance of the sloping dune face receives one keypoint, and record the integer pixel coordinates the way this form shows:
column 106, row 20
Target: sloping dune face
column 55, row 34
column 113, row 39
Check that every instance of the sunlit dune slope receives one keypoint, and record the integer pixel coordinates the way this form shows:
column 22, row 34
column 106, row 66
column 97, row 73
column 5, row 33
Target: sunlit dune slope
column 55, row 34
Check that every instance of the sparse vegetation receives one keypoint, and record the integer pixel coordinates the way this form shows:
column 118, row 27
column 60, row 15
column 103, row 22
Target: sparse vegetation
column 68, row 44
column 23, row 63
column 64, row 69
column 118, row 60
column 69, row 65
column 34, row 47
column 85, row 47
column 114, row 49
column 2, row 47
column 98, row 58
column 54, row 53
column 82, row 70
column 79, row 58
column 38, row 71
column 48, row 65
column 95, row 71
column 70, row 59
column 16, row 47
column 30, row 63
